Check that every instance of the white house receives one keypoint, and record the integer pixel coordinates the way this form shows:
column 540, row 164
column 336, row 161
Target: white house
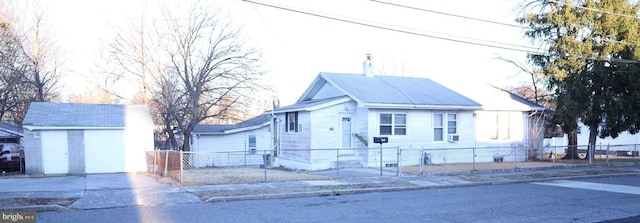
column 244, row 143
column 625, row 144
column 348, row 110
column 66, row 138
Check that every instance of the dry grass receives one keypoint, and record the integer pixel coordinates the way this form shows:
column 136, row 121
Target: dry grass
column 458, row 167
column 213, row 176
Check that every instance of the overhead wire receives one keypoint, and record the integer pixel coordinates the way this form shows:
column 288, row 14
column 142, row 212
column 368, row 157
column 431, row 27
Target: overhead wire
column 448, row 14
column 394, row 28
column 520, row 48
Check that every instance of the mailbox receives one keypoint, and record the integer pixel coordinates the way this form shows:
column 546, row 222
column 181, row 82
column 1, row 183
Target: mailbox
column 380, row 140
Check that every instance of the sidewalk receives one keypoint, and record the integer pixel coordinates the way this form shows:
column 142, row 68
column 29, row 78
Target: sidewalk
column 99, row 191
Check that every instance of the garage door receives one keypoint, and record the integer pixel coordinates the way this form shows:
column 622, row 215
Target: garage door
column 104, row 151
column 55, row 152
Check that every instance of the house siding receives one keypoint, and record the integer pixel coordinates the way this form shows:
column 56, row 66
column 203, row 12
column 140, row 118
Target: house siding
column 296, row 145
column 326, row 125
column 231, row 149
column 419, row 137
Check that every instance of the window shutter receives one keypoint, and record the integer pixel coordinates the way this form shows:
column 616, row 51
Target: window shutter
column 296, row 121
column 286, row 121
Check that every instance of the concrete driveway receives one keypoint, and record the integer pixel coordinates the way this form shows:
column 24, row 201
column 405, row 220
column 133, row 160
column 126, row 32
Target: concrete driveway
column 96, row 190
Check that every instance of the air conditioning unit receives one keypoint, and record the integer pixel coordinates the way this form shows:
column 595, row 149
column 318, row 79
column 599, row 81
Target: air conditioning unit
column 453, row 138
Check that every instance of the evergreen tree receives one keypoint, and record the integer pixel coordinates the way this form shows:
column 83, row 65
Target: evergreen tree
column 591, row 63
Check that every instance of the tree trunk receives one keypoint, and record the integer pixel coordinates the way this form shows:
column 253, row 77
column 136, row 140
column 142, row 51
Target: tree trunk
column 572, row 147
column 593, row 133
column 186, row 145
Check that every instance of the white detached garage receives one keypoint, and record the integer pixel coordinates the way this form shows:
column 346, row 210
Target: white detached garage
column 66, row 138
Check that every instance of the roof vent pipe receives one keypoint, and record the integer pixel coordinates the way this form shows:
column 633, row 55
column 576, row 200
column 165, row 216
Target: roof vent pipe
column 367, row 66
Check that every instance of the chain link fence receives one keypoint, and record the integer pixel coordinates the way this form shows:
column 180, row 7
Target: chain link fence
column 191, row 168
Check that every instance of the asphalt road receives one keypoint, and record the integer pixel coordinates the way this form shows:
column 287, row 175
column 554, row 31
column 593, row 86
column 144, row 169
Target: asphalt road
column 616, row 199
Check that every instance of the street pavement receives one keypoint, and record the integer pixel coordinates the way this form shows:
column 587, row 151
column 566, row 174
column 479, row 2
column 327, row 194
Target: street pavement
column 102, row 191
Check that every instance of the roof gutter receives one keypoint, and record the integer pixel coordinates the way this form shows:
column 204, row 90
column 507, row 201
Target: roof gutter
column 31, row 128
column 412, row 106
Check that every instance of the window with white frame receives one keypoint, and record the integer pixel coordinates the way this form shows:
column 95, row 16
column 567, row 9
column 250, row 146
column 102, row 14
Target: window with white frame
column 452, row 123
column 393, row 124
column 292, row 121
column 501, row 126
column 442, row 121
column 252, row 144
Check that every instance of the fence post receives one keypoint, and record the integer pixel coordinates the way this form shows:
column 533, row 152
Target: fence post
column 380, row 159
column 515, row 157
column 553, row 155
column 474, row 158
column 421, row 160
column 264, row 159
column 398, row 161
column 607, row 157
column 181, row 166
column 166, row 162
column 338, row 162
column 155, row 161
column 635, row 151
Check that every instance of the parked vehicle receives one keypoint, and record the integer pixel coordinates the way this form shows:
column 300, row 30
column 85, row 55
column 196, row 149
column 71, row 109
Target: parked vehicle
column 11, row 157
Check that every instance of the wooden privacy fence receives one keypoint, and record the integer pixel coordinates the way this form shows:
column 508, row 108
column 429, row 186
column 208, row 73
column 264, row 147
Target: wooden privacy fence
column 164, row 163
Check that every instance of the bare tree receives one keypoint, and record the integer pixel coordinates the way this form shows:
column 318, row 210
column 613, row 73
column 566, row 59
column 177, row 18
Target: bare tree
column 43, row 55
column 195, row 64
column 27, row 64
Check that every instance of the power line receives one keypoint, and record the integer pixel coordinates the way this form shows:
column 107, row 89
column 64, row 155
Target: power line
column 448, row 14
column 351, row 21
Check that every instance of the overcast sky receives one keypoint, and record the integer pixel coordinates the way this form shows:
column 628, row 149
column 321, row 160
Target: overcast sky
column 297, row 46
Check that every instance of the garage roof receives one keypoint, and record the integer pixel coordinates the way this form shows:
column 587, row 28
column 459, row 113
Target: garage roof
column 81, row 116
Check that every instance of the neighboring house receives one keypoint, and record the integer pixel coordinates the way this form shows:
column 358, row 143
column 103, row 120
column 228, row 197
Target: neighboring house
column 64, row 138
column 348, row 110
column 625, row 144
column 10, row 133
column 232, row 145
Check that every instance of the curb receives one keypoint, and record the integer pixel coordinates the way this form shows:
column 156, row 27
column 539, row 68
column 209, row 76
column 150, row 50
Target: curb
column 322, row 193
column 49, row 207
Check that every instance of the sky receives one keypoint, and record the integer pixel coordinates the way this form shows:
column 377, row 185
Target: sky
column 296, row 46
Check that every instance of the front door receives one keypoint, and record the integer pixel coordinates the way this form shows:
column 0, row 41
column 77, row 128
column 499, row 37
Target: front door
column 345, row 135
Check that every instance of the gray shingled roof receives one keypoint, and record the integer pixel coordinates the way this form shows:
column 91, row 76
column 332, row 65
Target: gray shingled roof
column 10, row 128
column 221, row 129
column 47, row 114
column 393, row 90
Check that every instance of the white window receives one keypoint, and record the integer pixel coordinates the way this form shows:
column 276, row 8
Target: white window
column 442, row 121
column 393, row 124
column 252, row 144
column 501, row 127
